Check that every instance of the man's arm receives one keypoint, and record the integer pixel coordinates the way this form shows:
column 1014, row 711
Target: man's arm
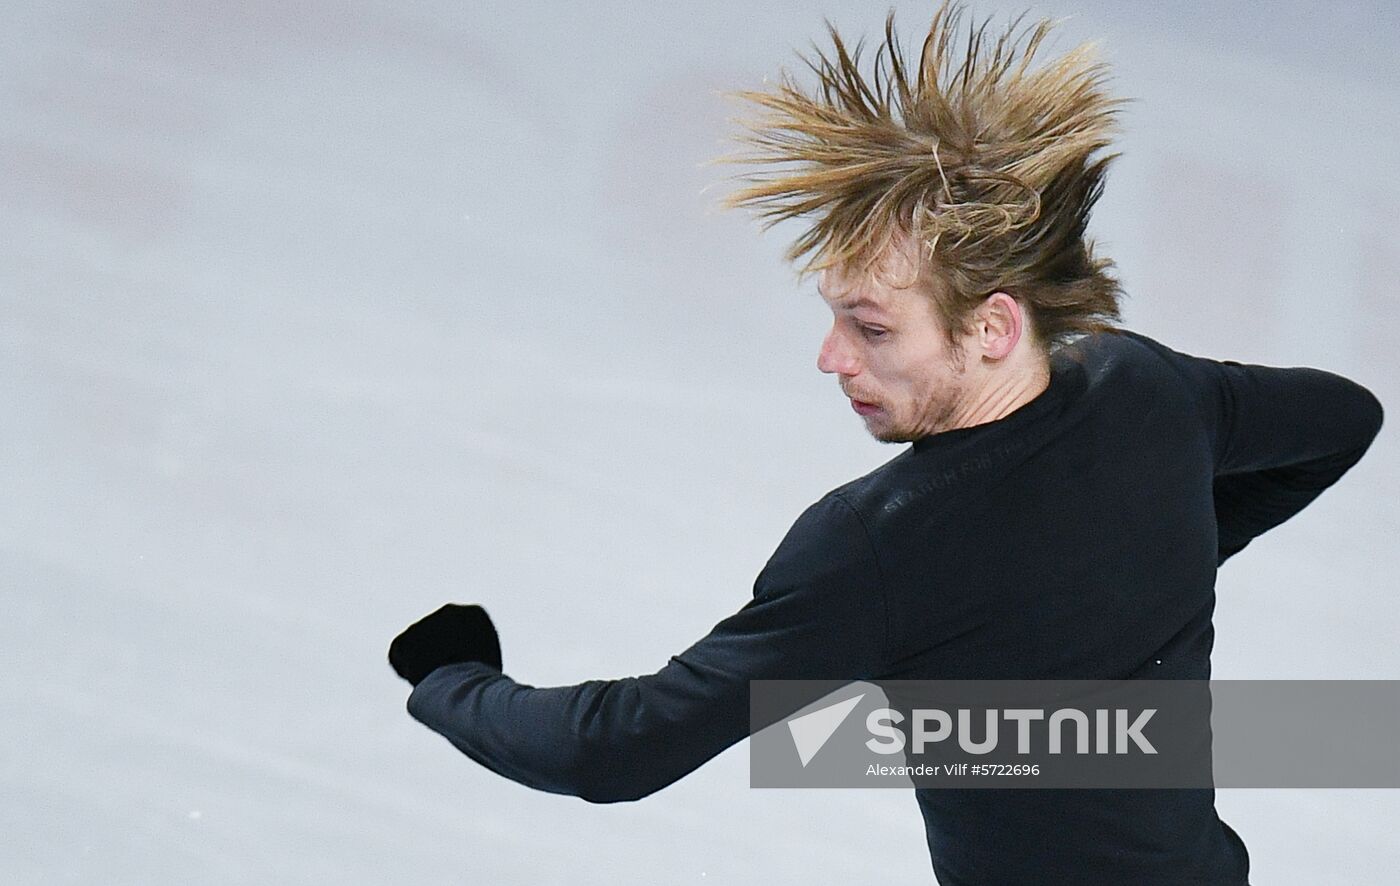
column 818, row 613
column 1280, row 435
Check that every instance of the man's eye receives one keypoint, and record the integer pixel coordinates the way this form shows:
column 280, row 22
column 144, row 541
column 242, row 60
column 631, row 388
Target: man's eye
column 871, row 331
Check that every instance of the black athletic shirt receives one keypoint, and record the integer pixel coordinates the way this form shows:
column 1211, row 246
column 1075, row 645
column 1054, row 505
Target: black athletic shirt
column 1076, row 538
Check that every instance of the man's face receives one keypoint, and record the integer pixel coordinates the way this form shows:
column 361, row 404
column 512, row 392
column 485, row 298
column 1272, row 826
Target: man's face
column 891, row 356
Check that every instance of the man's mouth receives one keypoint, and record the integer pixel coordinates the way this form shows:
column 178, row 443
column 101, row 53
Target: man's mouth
column 863, row 408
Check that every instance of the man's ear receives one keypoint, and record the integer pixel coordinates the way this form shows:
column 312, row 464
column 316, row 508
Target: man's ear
column 998, row 324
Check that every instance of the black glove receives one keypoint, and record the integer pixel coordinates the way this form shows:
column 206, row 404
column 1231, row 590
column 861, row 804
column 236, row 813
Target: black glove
column 453, row 634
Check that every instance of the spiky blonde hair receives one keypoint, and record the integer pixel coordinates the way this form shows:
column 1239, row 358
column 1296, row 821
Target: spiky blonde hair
column 987, row 164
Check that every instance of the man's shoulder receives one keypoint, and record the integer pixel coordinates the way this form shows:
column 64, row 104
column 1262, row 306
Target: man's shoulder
column 828, row 537
column 1126, row 369
column 865, row 496
column 1124, row 346
column 840, row 519
column 1102, row 352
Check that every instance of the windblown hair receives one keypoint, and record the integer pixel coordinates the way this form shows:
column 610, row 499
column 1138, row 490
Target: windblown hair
column 987, row 164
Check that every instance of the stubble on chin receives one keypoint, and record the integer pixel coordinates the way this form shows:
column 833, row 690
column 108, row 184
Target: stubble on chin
column 894, row 437
column 890, row 434
column 941, row 420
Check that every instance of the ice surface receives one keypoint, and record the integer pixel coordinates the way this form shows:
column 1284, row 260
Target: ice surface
column 316, row 315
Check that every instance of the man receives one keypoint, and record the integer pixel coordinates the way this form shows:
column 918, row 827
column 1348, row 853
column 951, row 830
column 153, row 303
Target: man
column 1068, row 494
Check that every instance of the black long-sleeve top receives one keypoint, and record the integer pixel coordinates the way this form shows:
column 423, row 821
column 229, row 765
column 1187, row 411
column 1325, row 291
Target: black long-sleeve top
column 1076, row 538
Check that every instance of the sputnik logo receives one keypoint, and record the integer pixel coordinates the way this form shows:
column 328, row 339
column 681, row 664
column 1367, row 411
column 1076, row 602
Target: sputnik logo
column 811, row 731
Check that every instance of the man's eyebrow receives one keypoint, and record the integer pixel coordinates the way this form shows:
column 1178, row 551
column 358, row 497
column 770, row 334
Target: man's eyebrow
column 864, row 301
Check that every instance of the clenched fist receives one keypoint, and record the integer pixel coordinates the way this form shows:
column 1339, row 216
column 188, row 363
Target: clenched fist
column 452, row 634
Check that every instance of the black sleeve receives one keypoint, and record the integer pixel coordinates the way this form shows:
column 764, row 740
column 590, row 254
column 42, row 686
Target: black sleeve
column 1280, row 437
column 818, row 612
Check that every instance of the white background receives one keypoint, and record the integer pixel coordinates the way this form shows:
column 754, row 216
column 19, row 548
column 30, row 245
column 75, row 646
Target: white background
column 315, row 315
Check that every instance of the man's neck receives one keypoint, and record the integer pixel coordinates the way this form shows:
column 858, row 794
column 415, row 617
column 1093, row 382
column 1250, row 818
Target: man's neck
column 1005, row 391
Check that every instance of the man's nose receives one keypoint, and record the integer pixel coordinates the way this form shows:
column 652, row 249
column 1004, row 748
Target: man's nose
column 835, row 355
